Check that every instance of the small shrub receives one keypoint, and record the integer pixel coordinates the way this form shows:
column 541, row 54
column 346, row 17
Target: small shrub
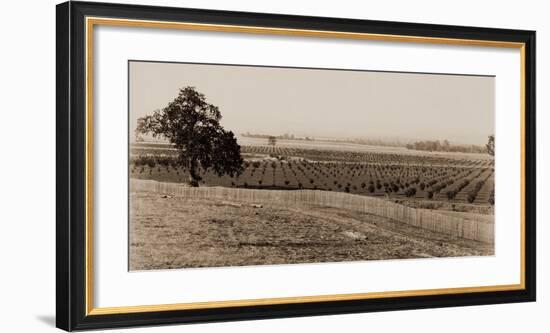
column 451, row 195
column 411, row 191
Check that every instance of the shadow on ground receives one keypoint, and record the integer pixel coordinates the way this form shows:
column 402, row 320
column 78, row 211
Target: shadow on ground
column 47, row 319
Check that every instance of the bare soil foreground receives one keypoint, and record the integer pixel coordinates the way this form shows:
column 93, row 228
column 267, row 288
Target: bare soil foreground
column 176, row 232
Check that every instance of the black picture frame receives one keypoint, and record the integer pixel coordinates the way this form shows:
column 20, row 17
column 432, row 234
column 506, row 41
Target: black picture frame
column 71, row 306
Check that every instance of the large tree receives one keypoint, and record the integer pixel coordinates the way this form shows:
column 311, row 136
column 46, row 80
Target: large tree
column 193, row 126
column 491, row 145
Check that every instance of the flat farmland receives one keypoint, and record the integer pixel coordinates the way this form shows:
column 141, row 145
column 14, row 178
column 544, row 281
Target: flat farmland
column 251, row 145
column 343, row 146
column 452, row 181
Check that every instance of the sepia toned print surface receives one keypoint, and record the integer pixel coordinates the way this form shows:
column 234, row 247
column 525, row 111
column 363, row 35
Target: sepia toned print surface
column 249, row 165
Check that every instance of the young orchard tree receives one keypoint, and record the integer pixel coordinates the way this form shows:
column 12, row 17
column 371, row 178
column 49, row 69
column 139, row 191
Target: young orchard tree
column 193, row 126
column 272, row 140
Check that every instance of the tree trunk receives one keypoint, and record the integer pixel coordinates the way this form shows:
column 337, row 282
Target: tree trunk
column 194, row 178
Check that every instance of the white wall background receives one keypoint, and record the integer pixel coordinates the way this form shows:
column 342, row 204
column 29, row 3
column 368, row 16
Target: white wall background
column 27, row 165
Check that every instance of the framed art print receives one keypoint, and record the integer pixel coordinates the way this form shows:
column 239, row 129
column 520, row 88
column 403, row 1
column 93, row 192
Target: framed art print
column 216, row 166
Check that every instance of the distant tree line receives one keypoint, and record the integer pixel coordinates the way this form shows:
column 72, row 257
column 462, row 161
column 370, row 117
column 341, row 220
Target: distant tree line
column 360, row 141
column 373, row 142
column 285, row 136
column 444, row 145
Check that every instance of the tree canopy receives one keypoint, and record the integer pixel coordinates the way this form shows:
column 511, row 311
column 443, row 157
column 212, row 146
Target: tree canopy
column 193, row 126
column 491, row 145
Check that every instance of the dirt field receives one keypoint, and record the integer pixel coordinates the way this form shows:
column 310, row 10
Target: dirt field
column 177, row 232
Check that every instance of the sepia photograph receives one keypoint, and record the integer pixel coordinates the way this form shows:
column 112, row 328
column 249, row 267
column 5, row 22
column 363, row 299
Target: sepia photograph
column 240, row 165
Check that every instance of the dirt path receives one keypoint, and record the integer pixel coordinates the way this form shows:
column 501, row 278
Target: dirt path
column 178, row 232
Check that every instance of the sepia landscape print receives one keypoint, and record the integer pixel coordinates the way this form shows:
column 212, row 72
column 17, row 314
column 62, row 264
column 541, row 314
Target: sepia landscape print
column 247, row 165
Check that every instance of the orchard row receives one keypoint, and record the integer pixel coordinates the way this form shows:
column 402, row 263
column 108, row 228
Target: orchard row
column 462, row 183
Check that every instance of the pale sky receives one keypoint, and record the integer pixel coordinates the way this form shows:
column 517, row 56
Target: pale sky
column 325, row 103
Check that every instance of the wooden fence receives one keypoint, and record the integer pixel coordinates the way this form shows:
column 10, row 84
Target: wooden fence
column 422, row 218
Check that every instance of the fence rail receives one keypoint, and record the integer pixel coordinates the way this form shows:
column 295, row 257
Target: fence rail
column 422, row 218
